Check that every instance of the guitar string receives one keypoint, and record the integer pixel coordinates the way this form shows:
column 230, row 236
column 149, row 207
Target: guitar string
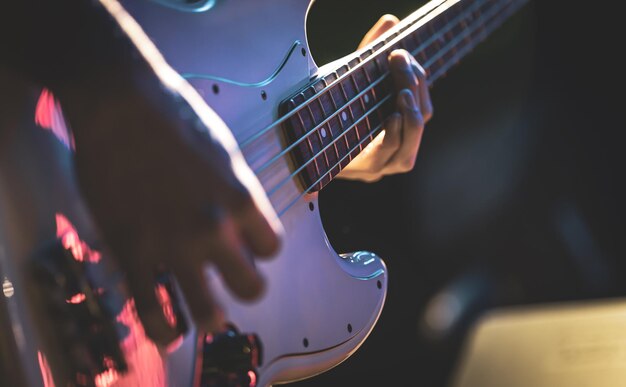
column 247, row 142
column 364, row 116
column 452, row 44
column 482, row 34
column 420, row 48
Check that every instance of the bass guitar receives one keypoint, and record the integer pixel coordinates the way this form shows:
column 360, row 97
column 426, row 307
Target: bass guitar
column 297, row 125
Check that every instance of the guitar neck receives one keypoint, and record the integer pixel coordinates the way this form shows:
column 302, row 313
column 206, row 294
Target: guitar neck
column 335, row 117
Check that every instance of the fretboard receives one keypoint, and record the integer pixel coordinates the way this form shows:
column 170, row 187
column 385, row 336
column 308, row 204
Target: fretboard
column 339, row 114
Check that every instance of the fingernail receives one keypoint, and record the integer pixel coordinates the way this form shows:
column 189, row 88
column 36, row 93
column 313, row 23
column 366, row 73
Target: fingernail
column 409, row 101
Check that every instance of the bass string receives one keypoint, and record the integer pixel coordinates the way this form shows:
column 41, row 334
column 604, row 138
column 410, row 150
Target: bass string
column 476, row 24
column 448, row 64
column 276, row 124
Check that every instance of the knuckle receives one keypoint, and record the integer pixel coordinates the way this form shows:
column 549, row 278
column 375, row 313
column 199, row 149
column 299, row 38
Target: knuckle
column 391, row 143
column 373, row 178
column 428, row 113
column 407, row 165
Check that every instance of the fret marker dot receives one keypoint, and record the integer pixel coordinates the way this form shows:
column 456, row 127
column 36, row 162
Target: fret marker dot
column 323, row 132
column 366, row 98
column 344, row 116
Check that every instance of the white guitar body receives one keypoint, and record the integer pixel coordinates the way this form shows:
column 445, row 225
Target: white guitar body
column 319, row 307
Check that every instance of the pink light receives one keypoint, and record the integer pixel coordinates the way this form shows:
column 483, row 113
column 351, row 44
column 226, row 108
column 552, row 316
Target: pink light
column 145, row 365
column 108, row 362
column 48, row 115
column 77, row 298
column 44, row 367
column 71, row 241
column 174, row 345
column 166, row 304
column 106, row 378
column 252, row 377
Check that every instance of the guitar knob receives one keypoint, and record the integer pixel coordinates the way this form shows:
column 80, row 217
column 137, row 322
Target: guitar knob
column 230, row 359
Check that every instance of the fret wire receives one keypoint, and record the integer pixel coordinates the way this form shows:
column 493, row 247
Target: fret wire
column 319, row 136
column 446, row 18
column 464, row 23
column 421, row 48
column 479, row 15
column 322, row 177
column 385, row 75
column 295, row 173
column 435, row 37
column 284, row 118
column 348, row 104
column 308, row 140
column 367, row 121
column 373, row 89
column 485, row 31
column 441, row 53
column 368, row 79
column 332, row 99
column 433, row 33
column 330, row 129
column 486, row 28
column 294, row 144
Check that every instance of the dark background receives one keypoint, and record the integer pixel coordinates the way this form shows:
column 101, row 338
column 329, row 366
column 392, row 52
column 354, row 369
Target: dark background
column 516, row 197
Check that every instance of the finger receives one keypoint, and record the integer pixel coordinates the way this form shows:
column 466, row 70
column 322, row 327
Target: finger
column 383, row 24
column 412, row 130
column 402, row 72
column 370, row 163
column 141, row 283
column 260, row 227
column 258, row 233
column 389, row 146
column 206, row 313
column 426, row 105
column 232, row 259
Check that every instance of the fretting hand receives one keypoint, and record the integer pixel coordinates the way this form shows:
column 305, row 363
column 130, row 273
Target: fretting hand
column 394, row 150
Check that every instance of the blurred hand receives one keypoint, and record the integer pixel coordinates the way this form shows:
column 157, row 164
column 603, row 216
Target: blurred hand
column 170, row 190
column 394, row 150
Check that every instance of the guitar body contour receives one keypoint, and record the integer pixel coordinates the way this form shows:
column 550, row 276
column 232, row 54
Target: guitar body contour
column 245, row 58
column 318, row 307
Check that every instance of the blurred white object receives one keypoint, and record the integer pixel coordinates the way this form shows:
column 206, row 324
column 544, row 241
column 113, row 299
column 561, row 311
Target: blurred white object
column 568, row 344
